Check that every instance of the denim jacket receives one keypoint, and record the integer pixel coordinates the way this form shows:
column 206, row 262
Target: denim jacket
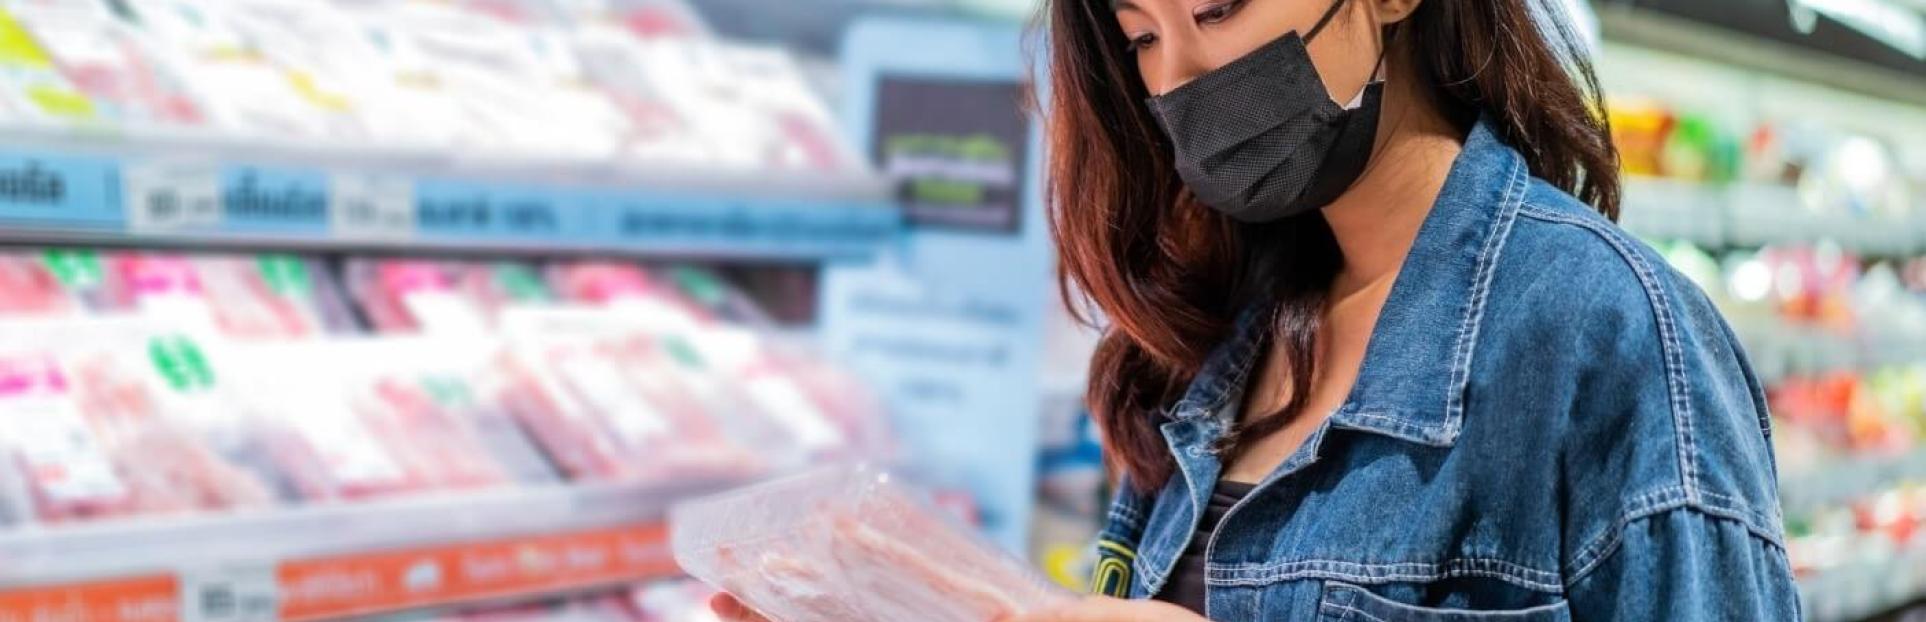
column 1549, row 424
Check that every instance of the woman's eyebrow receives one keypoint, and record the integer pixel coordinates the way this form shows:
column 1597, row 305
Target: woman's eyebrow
column 1119, row 5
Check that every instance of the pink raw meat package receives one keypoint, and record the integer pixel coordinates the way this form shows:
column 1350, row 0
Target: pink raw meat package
column 850, row 544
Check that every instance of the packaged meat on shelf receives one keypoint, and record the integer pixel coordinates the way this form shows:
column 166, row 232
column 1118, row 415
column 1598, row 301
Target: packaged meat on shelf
column 111, row 418
column 850, row 544
column 572, row 83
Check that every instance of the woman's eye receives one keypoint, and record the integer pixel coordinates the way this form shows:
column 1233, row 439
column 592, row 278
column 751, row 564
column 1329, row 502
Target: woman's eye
column 1141, row 42
column 1217, row 12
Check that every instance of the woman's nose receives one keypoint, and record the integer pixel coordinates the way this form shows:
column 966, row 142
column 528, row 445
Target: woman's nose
column 1180, row 61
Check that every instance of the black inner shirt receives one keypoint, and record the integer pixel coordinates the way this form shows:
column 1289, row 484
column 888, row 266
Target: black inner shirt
column 1186, row 587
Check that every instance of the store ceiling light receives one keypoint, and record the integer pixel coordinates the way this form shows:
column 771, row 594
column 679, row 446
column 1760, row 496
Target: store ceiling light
column 1887, row 21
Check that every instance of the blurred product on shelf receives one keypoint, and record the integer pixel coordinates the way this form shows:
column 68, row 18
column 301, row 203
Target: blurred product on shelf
column 1709, row 179
column 198, row 383
column 515, row 81
column 1836, row 339
column 849, row 544
column 432, row 296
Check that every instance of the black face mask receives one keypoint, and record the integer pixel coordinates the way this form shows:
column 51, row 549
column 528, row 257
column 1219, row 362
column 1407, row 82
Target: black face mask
column 1260, row 140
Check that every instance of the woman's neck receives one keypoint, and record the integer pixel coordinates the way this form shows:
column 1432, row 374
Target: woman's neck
column 1377, row 220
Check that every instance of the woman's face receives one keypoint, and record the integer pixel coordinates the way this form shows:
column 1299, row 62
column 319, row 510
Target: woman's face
column 1176, row 41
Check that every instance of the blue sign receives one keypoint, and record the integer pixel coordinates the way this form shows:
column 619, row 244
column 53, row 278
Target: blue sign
column 453, row 210
column 950, row 327
column 274, row 201
column 59, row 191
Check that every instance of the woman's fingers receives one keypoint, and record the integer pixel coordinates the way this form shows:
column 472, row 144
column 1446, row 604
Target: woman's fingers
column 732, row 610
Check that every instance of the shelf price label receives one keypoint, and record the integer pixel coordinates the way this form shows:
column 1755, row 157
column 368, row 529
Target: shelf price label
column 229, row 593
column 143, row 599
column 380, row 582
column 59, row 191
column 264, row 200
column 371, row 207
column 172, row 196
column 500, row 213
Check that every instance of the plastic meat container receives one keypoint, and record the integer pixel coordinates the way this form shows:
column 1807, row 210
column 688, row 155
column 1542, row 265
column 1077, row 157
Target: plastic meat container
column 850, row 544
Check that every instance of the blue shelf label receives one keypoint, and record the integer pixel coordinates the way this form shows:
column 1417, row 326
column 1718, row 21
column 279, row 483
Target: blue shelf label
column 59, row 191
column 781, row 226
column 515, row 214
column 262, row 200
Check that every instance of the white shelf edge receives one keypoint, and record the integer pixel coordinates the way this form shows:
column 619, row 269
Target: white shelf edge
column 149, row 545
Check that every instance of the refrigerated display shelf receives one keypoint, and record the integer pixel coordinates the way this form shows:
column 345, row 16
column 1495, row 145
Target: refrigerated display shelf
column 1843, row 480
column 193, row 192
column 1864, row 590
column 1754, row 214
column 325, row 562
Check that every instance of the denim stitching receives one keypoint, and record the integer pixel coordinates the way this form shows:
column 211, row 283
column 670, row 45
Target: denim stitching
column 1644, row 504
column 1671, row 350
column 1149, row 575
column 1523, row 576
column 1480, row 293
column 1610, row 546
column 1349, row 611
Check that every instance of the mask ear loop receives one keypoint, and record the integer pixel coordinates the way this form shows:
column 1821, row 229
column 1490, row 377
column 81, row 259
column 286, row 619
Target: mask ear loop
column 1329, row 14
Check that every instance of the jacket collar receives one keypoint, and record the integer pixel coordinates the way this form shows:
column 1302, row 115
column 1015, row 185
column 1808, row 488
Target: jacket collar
column 1412, row 382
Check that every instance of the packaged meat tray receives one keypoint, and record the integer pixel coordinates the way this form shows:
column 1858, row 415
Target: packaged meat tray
column 424, row 296
column 29, row 287
column 90, row 437
column 619, row 408
column 245, row 297
column 849, row 544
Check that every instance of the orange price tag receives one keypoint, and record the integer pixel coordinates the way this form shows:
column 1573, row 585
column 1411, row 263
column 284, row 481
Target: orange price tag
column 145, row 599
column 402, row 579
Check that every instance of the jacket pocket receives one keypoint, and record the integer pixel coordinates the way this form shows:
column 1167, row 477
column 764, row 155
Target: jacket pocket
column 1343, row 602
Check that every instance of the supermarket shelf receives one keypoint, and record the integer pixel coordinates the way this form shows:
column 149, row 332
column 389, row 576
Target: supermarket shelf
column 1779, row 349
column 322, row 562
column 179, row 190
column 1844, row 480
column 1748, row 215
column 1623, row 20
column 1864, row 590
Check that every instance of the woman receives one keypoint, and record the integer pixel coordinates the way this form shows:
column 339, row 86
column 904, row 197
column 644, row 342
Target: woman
column 1374, row 361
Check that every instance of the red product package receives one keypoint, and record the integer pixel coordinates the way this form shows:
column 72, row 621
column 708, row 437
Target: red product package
column 621, row 284
column 407, row 295
column 359, row 418
column 91, row 439
column 615, row 408
column 63, row 464
column 29, row 287
column 245, row 297
column 376, row 441
column 168, row 463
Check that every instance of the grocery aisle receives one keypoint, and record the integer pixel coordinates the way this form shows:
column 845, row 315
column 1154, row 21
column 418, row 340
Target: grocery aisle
column 429, row 309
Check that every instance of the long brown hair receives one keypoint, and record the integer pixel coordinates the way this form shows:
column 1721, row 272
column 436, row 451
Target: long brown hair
column 1168, row 275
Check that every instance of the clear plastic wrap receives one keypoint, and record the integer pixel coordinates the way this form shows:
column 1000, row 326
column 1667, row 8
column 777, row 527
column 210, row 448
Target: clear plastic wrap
column 246, row 297
column 353, row 419
column 850, row 544
column 619, row 408
column 414, row 295
column 92, row 434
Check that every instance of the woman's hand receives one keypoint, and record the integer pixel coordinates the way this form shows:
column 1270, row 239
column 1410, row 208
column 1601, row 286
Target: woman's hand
column 732, row 610
column 1104, row 609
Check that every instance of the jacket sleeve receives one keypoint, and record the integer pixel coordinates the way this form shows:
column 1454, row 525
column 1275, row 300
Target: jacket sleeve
column 1686, row 565
column 1673, row 507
